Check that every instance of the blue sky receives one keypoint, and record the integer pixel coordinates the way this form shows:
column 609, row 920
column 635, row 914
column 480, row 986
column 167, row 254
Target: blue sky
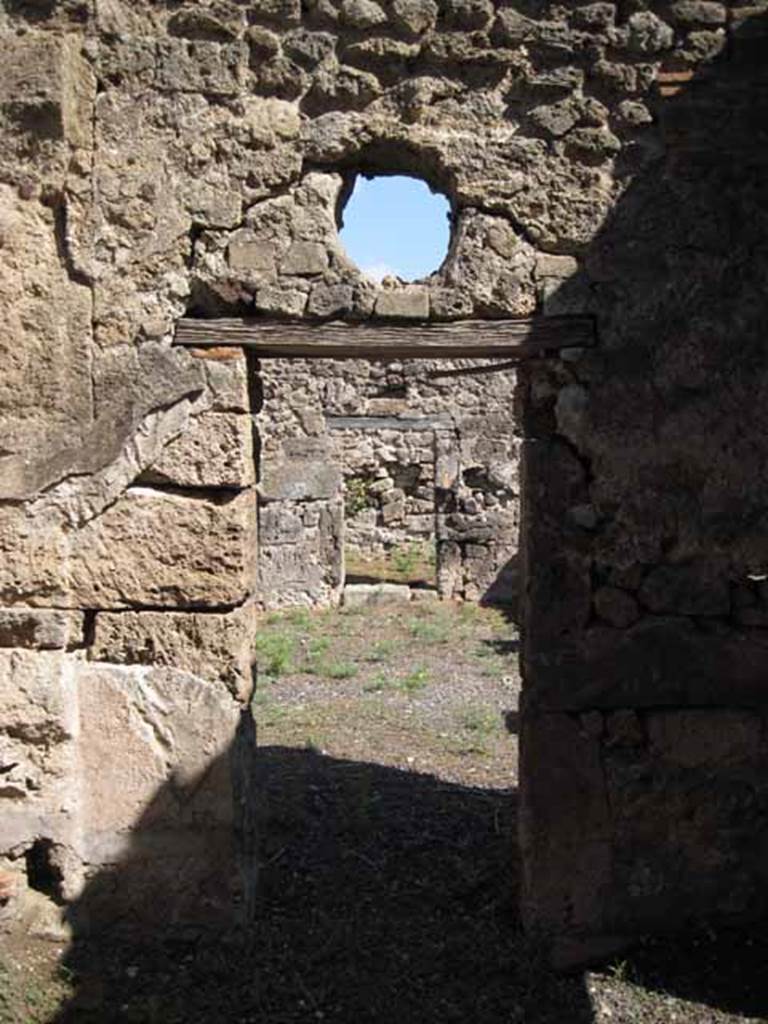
column 395, row 225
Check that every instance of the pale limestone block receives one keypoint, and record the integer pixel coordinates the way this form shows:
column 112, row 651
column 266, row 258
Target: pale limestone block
column 40, row 628
column 247, row 251
column 38, row 733
column 299, row 480
column 165, row 759
column 403, row 303
column 281, row 301
column 216, row 450
column 358, row 595
column 226, row 374
column 213, row 646
column 157, row 548
column 33, row 559
column 305, row 258
column 559, row 267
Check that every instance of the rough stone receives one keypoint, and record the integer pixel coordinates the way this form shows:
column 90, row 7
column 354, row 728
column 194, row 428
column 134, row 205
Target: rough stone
column 212, row 646
column 403, row 303
column 362, row 14
column 616, row 607
column 301, row 564
column 330, row 300
column 34, row 550
column 46, row 390
column 357, row 595
column 40, row 629
column 280, row 301
column 698, row 12
column 246, row 252
column 694, row 589
column 37, row 748
column 648, row 33
column 415, row 16
column 215, row 451
column 305, row 258
column 170, row 549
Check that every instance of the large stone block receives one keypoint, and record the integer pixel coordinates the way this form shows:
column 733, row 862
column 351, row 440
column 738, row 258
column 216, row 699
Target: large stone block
column 300, row 479
column 33, row 558
column 226, row 373
column 47, row 87
column 164, row 758
column 38, row 733
column 41, row 628
column 133, row 783
column 309, row 570
column 565, row 827
column 216, row 450
column 169, row 549
column 45, row 386
column 631, row 821
column 213, row 646
column 403, row 303
column 658, row 661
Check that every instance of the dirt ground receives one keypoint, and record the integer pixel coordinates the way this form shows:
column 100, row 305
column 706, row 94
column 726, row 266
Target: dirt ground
column 422, row 686
column 389, row 881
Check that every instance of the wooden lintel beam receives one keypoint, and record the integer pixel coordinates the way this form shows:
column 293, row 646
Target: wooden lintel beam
column 378, row 340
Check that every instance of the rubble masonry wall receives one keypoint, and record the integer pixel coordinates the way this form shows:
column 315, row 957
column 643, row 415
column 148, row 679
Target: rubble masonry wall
column 160, row 160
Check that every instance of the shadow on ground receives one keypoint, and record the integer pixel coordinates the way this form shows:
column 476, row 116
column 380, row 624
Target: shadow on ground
column 390, row 897
column 384, row 896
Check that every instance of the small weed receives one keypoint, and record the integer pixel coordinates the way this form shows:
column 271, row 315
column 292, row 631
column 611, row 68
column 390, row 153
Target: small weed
column 275, row 653
column 319, row 664
column 469, row 613
column 298, row 617
column 37, row 998
column 315, row 660
column 357, row 496
column 479, row 720
column 339, row 670
column 620, row 971
column 406, row 558
column 382, row 650
column 270, row 715
column 414, row 681
column 379, row 683
column 435, row 631
column 493, row 664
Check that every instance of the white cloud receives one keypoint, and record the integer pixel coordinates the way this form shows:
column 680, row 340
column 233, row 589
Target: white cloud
column 378, row 271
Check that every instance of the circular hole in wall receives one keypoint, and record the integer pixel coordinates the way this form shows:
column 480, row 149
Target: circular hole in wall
column 396, row 226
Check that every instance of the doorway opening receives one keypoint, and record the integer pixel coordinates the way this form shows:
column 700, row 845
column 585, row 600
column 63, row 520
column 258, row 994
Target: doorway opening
column 393, row 476
column 386, row 698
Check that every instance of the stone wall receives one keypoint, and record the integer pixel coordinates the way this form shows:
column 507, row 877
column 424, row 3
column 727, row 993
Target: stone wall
column 166, row 159
column 366, row 459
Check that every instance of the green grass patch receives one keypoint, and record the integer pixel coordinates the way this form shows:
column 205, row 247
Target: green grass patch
column 431, row 631
column 275, row 653
column 480, row 721
column 382, row 650
column 339, row 670
column 378, row 684
column 416, row 680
